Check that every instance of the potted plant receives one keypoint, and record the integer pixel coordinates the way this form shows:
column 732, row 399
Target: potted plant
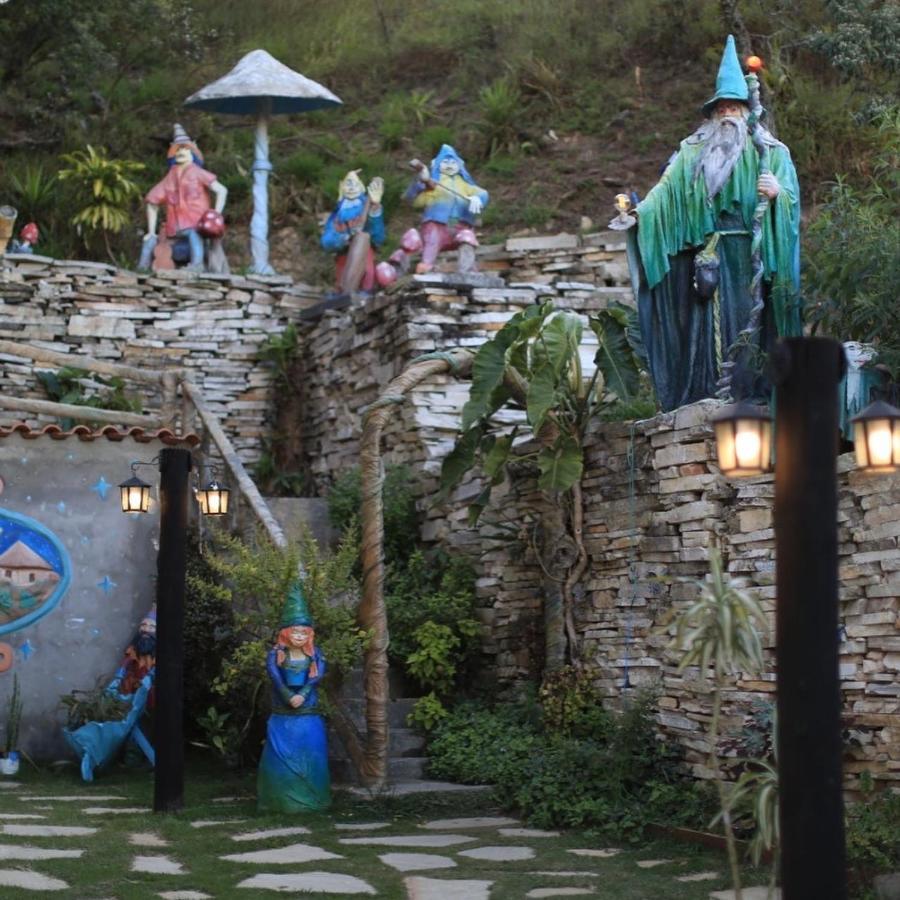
column 9, row 764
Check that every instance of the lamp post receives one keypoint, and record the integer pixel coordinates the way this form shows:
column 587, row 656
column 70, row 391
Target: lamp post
column 806, row 372
column 168, row 738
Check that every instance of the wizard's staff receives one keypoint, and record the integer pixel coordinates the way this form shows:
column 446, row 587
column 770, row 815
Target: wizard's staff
column 748, row 334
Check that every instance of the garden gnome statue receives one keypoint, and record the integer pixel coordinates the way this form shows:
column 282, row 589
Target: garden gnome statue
column 354, row 231
column 451, row 201
column 98, row 743
column 293, row 771
column 190, row 216
column 28, row 237
column 714, row 257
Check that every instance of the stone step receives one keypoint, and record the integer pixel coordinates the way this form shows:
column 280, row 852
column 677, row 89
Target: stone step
column 410, row 768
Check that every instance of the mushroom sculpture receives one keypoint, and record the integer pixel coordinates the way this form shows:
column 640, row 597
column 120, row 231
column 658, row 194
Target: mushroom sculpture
column 261, row 86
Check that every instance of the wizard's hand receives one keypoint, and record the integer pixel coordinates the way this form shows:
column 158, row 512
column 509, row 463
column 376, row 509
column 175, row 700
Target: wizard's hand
column 296, row 701
column 475, row 205
column 376, row 190
column 768, row 186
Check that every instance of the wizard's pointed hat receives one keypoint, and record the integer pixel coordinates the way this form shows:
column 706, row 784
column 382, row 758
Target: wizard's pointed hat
column 295, row 611
column 730, row 82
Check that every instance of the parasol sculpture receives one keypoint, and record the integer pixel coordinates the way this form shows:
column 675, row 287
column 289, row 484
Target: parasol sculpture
column 261, row 86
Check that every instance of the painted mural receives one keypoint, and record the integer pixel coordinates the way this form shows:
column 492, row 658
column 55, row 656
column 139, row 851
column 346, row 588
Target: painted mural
column 34, row 571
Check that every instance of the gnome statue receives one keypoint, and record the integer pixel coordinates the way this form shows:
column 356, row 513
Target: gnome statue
column 354, row 230
column 193, row 227
column 714, row 256
column 293, row 772
column 450, row 201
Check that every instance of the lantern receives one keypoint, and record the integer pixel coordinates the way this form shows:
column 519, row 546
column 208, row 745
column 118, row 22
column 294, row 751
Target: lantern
column 743, row 440
column 876, row 437
column 213, row 499
column 135, row 495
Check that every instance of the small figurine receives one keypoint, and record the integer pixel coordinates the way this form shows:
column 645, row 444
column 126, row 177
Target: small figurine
column 354, row 231
column 190, row 217
column 293, row 772
column 28, row 237
column 451, row 201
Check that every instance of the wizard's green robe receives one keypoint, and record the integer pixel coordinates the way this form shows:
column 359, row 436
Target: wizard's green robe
column 686, row 336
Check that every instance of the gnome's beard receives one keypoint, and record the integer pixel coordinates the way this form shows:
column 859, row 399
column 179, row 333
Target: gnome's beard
column 724, row 140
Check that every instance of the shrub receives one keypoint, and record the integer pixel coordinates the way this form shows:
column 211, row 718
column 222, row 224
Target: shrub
column 615, row 775
column 873, row 835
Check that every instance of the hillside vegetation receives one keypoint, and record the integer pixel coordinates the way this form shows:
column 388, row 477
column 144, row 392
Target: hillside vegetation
column 556, row 104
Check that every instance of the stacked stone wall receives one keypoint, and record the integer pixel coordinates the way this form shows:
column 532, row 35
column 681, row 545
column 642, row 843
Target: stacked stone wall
column 655, row 503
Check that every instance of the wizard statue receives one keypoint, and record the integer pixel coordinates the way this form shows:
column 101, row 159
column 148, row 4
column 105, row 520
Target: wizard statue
column 450, row 201
column 354, row 230
column 193, row 227
column 714, row 257
column 293, row 772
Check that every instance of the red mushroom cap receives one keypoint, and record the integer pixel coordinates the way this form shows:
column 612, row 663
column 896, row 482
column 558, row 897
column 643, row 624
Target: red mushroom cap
column 29, row 233
column 211, row 224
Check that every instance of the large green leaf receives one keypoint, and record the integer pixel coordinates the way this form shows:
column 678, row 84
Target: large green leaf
column 561, row 465
column 495, row 458
column 461, row 458
column 542, row 396
column 487, row 374
column 614, row 357
column 560, row 338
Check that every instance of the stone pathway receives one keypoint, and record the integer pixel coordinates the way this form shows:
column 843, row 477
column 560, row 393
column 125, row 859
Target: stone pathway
column 462, row 858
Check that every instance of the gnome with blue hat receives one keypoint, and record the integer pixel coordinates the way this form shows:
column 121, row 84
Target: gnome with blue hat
column 706, row 316
column 450, row 201
column 293, row 772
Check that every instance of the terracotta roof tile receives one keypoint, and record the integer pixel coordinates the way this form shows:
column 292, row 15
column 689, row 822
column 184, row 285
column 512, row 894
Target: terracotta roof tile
column 110, row 432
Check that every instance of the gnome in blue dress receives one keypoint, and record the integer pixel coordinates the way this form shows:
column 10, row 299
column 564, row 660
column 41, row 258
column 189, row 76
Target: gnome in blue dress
column 293, row 772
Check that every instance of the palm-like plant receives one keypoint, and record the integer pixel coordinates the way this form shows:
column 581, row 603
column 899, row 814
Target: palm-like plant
column 106, row 188
column 721, row 630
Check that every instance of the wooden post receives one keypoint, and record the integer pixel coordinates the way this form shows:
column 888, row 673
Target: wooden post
column 169, row 406
column 807, row 372
column 168, row 788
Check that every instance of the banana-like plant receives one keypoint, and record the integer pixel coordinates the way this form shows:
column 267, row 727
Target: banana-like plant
column 534, row 364
column 721, row 630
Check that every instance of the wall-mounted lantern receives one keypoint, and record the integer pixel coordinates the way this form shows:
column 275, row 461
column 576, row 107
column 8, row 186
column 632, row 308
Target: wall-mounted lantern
column 213, row 499
column 876, row 437
column 135, row 493
column 743, row 440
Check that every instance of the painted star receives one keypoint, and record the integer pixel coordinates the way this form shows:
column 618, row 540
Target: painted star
column 61, row 506
column 107, row 585
column 27, row 650
column 101, row 487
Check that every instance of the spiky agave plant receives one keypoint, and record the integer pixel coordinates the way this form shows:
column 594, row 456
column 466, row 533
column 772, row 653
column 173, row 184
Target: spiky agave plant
column 721, row 630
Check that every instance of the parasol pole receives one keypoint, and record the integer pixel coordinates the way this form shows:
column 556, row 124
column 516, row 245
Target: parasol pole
column 259, row 223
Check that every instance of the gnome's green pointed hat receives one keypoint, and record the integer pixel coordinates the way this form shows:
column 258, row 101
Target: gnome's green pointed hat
column 295, row 611
column 730, row 82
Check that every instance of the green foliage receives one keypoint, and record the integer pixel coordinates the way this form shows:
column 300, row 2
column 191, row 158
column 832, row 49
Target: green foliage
column 873, row 835
column 304, row 165
column 106, row 188
column 96, row 705
column 71, row 385
column 535, row 357
column 13, row 716
column 853, row 254
column 608, row 772
column 434, row 136
column 572, row 706
column 427, row 713
column 401, row 518
column 252, row 582
column 721, row 627
column 500, row 105
column 34, row 192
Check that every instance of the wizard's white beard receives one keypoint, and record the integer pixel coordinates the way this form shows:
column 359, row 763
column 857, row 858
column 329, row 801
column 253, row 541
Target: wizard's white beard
column 724, row 140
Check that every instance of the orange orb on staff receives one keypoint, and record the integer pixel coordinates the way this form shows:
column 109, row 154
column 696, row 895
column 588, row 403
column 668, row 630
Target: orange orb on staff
column 754, row 63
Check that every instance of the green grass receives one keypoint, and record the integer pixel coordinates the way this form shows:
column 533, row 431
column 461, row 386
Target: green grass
column 104, row 870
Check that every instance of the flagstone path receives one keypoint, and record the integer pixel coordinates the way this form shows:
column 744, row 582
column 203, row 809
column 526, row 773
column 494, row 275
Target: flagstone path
column 462, row 858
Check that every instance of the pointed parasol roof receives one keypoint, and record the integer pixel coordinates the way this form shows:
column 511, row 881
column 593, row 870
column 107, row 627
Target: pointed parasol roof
column 259, row 78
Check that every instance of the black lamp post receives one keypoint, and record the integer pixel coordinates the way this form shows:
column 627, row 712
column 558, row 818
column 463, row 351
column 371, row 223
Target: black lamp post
column 807, row 372
column 174, row 490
